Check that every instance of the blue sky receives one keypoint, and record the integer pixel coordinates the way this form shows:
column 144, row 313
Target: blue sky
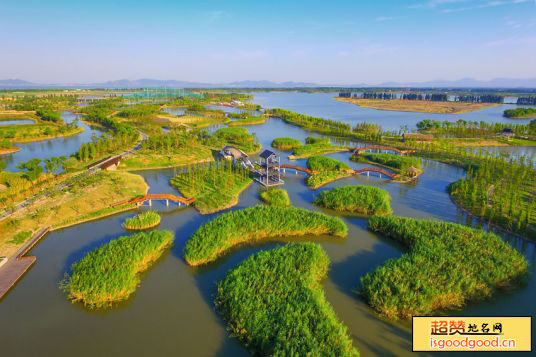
column 328, row 42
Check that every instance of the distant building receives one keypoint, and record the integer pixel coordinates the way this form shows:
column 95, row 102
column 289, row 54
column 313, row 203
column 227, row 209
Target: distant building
column 508, row 132
column 232, row 152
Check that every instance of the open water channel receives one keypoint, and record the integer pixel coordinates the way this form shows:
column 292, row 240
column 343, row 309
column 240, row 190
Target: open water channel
column 172, row 312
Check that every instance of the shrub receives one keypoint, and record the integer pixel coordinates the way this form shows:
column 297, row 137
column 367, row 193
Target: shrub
column 323, row 178
column 215, row 187
column 395, row 161
column 324, row 163
column 111, row 273
column 274, row 303
column 359, row 199
column 255, row 223
column 21, row 237
column 286, row 143
column 143, row 221
column 447, row 265
column 316, row 140
column 276, row 197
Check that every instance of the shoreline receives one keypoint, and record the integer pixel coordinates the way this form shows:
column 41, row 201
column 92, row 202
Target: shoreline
column 380, row 104
column 10, row 150
column 32, row 140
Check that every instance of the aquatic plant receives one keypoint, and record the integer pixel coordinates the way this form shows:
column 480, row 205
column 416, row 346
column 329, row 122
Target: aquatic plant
column 366, row 200
column 214, row 186
column 308, row 150
column 253, row 224
column 393, row 161
column 276, row 197
column 274, row 303
column 446, row 266
column 502, row 192
column 286, row 143
column 110, row 273
column 323, row 178
column 248, row 121
column 143, row 220
column 324, row 163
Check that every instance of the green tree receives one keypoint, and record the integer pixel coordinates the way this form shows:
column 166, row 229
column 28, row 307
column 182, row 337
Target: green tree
column 33, row 169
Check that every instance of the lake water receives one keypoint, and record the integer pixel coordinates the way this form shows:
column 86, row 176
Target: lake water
column 51, row 148
column 16, row 122
column 325, row 106
column 172, row 312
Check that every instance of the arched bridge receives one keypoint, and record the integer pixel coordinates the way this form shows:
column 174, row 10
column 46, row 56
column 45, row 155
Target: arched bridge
column 358, row 151
column 162, row 197
column 297, row 168
column 368, row 170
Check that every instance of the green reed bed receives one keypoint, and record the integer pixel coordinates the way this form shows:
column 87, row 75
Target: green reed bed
column 397, row 162
column 248, row 121
column 143, row 220
column 308, row 150
column 286, row 143
column 357, row 199
column 111, row 273
column 276, row 197
column 446, row 266
column 254, row 224
column 324, row 163
column 215, row 186
column 323, row 178
column 274, row 303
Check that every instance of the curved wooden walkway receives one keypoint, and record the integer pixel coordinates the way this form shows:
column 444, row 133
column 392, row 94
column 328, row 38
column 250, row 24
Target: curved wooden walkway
column 387, row 174
column 298, row 168
column 391, row 176
column 162, row 197
column 358, row 151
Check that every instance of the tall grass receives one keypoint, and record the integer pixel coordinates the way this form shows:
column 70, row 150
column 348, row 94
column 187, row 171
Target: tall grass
column 256, row 223
column 286, row 143
column 446, row 266
column 276, row 197
column 274, row 303
column 324, row 163
column 111, row 273
column 394, row 161
column 248, row 121
column 358, row 199
column 316, row 149
column 323, row 178
column 142, row 221
column 215, row 186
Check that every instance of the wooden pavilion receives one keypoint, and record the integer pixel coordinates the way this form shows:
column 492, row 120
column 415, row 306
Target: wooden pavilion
column 270, row 167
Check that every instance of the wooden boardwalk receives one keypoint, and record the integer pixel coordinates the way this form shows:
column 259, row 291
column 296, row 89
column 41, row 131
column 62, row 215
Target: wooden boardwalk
column 358, row 151
column 162, row 197
column 376, row 170
column 297, row 168
column 366, row 170
column 15, row 267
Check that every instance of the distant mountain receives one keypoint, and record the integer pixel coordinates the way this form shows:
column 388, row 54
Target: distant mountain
column 148, row 83
column 269, row 84
column 7, row 83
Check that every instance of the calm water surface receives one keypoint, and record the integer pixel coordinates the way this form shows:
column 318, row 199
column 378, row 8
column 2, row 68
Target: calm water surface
column 16, row 122
column 172, row 312
column 51, row 148
column 325, row 106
